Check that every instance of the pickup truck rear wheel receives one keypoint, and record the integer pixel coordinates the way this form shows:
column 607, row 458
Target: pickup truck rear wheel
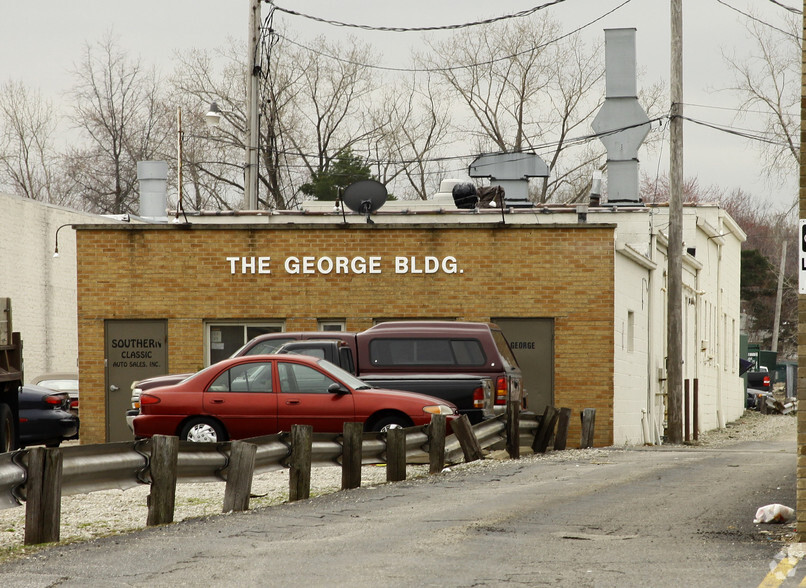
column 203, row 430
column 387, row 422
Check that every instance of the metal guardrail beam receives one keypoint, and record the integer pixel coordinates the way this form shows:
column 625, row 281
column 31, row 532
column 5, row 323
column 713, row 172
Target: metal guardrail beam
column 106, row 466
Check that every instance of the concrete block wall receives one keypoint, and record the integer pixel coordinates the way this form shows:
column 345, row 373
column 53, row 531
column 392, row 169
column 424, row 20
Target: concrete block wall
column 42, row 288
column 630, row 368
column 181, row 274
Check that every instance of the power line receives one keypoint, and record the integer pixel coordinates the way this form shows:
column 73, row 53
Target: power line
column 521, row 14
column 732, row 109
column 455, row 67
column 758, row 20
column 732, row 131
column 574, row 141
column 541, row 147
column 785, row 7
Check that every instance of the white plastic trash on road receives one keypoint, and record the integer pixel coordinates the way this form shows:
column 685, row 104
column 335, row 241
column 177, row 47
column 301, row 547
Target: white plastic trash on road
column 774, row 513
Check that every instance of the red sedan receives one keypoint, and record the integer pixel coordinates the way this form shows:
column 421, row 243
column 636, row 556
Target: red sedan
column 264, row 394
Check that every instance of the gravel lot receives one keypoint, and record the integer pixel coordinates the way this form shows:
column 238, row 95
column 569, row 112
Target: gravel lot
column 117, row 511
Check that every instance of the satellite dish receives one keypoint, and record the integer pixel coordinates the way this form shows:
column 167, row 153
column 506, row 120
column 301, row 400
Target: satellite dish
column 365, row 197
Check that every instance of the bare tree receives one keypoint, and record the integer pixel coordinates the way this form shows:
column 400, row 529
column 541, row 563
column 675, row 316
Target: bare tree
column 769, row 80
column 413, row 121
column 333, row 99
column 28, row 156
column 213, row 158
column 118, row 112
column 312, row 108
column 525, row 87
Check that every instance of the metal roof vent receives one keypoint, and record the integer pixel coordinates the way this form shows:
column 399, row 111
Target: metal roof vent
column 511, row 171
column 153, row 178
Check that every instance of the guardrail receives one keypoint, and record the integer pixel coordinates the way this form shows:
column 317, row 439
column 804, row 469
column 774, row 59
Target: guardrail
column 39, row 477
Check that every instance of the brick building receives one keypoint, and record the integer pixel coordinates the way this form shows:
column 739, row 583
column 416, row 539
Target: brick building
column 581, row 299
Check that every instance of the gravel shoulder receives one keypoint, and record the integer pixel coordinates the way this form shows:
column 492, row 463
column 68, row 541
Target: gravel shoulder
column 111, row 512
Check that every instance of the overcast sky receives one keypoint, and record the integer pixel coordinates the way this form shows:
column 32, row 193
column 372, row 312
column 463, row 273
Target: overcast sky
column 41, row 42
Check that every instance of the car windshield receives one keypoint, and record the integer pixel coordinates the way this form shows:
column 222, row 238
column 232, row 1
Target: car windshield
column 206, row 371
column 343, row 375
column 60, row 385
column 265, row 347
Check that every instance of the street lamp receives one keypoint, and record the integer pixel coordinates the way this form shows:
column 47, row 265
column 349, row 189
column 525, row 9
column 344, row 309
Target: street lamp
column 56, row 251
column 213, row 120
column 213, row 116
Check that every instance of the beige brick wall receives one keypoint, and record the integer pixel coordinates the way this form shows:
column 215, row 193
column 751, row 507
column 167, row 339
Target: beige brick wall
column 167, row 272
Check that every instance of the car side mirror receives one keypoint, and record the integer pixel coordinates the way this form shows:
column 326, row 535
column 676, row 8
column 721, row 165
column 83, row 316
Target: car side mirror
column 336, row 388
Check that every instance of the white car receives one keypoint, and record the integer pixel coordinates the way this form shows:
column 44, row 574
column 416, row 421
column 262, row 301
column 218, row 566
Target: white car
column 61, row 382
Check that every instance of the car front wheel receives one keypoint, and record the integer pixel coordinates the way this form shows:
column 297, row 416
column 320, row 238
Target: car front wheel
column 383, row 424
column 202, row 430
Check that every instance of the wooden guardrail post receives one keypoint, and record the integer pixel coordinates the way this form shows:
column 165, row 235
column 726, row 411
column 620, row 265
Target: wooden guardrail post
column 43, row 496
column 162, row 499
column 467, row 438
column 513, row 442
column 239, row 476
column 352, row 437
column 300, row 476
column 561, row 436
column 545, row 430
column 436, row 443
column 395, row 455
column 588, row 421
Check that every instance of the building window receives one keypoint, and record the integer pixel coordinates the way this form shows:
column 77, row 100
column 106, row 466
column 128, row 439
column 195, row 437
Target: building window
column 331, row 324
column 222, row 339
column 630, row 330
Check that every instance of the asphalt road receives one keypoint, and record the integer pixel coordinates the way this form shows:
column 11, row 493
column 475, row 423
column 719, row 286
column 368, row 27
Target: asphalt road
column 670, row 516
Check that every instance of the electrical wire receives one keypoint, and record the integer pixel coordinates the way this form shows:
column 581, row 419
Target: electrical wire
column 758, row 20
column 785, row 7
column 540, row 147
column 521, row 14
column 537, row 148
column 733, row 109
column 732, row 131
column 456, row 67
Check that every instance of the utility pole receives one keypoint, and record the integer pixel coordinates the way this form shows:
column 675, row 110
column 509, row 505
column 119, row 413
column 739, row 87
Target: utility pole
column 778, row 298
column 252, row 113
column 801, row 377
column 674, row 253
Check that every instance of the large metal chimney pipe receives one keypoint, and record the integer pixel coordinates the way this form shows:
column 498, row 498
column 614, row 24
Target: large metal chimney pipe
column 622, row 122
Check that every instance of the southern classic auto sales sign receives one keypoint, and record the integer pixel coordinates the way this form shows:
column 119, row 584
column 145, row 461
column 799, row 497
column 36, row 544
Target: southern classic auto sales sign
column 427, row 264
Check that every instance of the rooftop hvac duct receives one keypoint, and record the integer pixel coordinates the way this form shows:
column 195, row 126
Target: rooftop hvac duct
column 621, row 123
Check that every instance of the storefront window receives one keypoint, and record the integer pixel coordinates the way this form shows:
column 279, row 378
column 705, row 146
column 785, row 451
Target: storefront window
column 224, row 339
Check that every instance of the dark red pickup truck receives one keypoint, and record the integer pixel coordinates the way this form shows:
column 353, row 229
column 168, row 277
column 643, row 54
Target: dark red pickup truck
column 442, row 358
